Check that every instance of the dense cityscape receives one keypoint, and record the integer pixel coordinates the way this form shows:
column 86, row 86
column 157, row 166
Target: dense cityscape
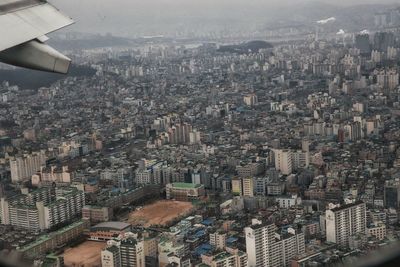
column 174, row 152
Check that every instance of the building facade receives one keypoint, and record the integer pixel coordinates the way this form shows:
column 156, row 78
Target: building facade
column 283, row 161
column 22, row 168
column 127, row 252
column 345, row 221
column 40, row 209
column 184, row 191
column 266, row 248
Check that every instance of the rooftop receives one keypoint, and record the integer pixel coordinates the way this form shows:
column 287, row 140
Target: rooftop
column 221, row 256
column 117, row 226
column 186, row 185
column 45, row 238
column 347, row 206
column 129, row 242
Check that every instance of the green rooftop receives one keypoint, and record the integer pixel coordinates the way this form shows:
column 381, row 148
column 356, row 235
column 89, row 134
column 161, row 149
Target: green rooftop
column 186, row 185
column 46, row 237
column 41, row 239
column 69, row 227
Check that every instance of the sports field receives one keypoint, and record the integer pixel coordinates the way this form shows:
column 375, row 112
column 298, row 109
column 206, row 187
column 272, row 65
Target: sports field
column 160, row 213
column 87, row 254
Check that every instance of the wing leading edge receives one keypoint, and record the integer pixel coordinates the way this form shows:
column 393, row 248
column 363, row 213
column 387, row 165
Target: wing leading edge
column 24, row 25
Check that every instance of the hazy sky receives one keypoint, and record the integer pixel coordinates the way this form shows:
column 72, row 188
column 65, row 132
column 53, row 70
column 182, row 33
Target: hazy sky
column 128, row 17
column 132, row 3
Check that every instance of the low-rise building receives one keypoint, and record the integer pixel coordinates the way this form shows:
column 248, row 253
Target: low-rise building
column 377, row 230
column 49, row 242
column 108, row 230
column 185, row 191
column 225, row 259
column 97, row 214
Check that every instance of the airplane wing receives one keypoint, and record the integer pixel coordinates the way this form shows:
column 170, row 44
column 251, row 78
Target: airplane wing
column 23, row 28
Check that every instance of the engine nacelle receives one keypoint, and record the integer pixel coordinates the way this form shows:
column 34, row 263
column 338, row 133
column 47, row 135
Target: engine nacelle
column 36, row 55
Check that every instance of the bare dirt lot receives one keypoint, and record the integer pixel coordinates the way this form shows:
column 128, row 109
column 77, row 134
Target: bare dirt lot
column 87, row 254
column 160, row 213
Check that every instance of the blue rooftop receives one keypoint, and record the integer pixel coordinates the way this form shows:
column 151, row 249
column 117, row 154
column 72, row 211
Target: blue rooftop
column 208, row 222
column 202, row 249
column 231, row 240
column 200, row 233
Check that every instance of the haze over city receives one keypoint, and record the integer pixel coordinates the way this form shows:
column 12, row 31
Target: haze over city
column 188, row 133
column 136, row 18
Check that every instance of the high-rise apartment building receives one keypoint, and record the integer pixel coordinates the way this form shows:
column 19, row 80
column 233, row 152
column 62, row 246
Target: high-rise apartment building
column 179, row 133
column 283, row 161
column 250, row 100
column 243, row 186
column 353, row 131
column 110, row 257
column 52, row 174
column 42, row 209
column 392, row 194
column 248, row 186
column 22, row 168
column 260, row 186
column 383, row 40
column 345, row 221
column 194, row 137
column 362, row 43
column 150, row 248
column 266, row 248
column 143, row 177
column 132, row 253
column 237, row 186
column 300, row 159
column 387, row 79
column 158, row 173
column 127, row 252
